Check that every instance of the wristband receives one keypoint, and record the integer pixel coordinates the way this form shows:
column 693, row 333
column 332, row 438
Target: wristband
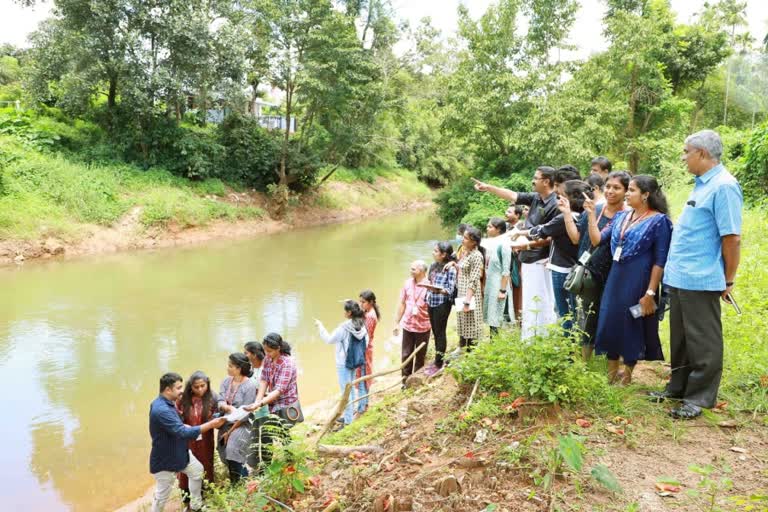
column 729, row 283
column 502, row 291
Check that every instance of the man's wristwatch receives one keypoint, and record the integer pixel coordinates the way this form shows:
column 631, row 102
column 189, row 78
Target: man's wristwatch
column 728, row 283
column 650, row 292
column 502, row 291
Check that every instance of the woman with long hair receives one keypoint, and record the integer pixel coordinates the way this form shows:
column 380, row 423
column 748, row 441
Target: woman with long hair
column 236, row 390
column 442, row 278
column 277, row 389
column 197, row 405
column 497, row 269
column 254, row 351
column 597, row 260
column 372, row 315
column 352, row 326
column 470, row 289
column 639, row 237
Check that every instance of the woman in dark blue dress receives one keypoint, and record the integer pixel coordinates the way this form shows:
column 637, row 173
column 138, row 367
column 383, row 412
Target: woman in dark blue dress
column 639, row 239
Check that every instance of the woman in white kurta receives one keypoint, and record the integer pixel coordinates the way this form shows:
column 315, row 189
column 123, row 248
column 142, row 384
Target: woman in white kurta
column 498, row 262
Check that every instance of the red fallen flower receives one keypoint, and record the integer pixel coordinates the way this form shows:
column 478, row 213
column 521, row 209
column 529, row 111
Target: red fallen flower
column 583, row 423
column 518, row 402
column 667, row 487
column 503, row 394
column 721, row 405
column 252, row 486
column 470, row 455
column 314, row 480
column 290, row 469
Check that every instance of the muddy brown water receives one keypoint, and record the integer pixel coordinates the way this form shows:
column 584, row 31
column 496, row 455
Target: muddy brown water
column 83, row 343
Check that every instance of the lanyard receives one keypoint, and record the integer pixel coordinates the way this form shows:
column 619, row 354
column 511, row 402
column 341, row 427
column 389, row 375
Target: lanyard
column 229, row 396
column 415, row 296
column 602, row 211
column 626, row 225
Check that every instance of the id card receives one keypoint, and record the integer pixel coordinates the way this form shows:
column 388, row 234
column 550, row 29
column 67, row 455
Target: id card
column 415, row 311
column 585, row 257
column 617, row 254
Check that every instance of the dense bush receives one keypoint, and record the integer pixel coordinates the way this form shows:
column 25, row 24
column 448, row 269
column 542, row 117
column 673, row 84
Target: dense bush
column 753, row 175
column 543, row 368
column 459, row 202
column 251, row 153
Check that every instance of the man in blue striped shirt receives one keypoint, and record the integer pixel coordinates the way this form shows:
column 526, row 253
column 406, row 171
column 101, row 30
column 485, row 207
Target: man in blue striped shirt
column 701, row 269
column 170, row 453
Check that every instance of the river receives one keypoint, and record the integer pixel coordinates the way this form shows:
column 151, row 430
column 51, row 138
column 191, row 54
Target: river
column 83, row 342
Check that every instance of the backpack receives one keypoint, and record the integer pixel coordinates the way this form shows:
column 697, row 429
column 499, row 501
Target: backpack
column 355, row 357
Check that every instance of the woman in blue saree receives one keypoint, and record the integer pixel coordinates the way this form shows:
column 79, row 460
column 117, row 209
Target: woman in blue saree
column 639, row 238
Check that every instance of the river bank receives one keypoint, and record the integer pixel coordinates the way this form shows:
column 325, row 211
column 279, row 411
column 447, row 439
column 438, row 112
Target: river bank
column 334, row 202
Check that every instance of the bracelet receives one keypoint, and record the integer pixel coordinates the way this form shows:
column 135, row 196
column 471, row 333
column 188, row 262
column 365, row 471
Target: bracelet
column 466, row 303
column 729, row 283
column 502, row 291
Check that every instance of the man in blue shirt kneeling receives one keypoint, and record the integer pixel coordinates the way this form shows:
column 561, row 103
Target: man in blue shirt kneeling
column 170, row 453
column 701, row 269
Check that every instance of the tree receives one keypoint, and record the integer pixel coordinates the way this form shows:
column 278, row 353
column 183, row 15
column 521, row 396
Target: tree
column 732, row 13
column 502, row 74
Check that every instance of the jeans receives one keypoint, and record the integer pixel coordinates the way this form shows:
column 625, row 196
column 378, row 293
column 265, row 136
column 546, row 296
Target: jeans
column 346, row 376
column 565, row 302
column 362, row 393
column 166, row 479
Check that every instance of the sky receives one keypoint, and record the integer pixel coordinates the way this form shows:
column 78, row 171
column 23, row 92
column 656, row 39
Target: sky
column 17, row 22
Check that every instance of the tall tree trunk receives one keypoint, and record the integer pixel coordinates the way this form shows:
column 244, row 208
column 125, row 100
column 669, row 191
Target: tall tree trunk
column 728, row 81
column 634, row 158
column 111, row 101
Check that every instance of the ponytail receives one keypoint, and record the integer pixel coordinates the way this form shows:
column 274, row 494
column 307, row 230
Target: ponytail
column 656, row 198
column 276, row 342
column 370, row 297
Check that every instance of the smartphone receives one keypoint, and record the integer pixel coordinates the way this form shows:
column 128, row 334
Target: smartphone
column 636, row 311
column 736, row 307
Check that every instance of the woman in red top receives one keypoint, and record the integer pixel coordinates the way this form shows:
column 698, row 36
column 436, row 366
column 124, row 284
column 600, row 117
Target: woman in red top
column 372, row 315
column 196, row 406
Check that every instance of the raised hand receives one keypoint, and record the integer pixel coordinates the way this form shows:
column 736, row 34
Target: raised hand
column 563, row 204
column 480, row 186
column 589, row 204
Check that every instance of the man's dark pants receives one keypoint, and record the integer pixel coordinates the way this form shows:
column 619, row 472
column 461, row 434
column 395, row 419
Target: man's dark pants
column 411, row 340
column 696, row 346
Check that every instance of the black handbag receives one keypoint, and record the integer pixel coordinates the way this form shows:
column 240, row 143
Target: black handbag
column 581, row 281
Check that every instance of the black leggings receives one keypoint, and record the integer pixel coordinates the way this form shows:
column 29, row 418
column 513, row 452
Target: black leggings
column 438, row 319
column 237, row 470
column 467, row 343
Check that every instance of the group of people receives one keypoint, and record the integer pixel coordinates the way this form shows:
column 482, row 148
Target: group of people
column 603, row 252
column 599, row 253
column 260, row 380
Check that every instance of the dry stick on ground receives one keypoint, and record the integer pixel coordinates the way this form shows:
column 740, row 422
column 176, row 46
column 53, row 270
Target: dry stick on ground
column 344, row 400
column 472, row 395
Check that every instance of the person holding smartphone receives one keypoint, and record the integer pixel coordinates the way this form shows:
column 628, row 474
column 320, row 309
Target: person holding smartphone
column 700, row 271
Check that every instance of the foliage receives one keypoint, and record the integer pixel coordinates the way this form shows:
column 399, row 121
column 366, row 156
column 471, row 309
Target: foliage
column 460, row 203
column 250, row 152
column 754, row 173
column 546, row 367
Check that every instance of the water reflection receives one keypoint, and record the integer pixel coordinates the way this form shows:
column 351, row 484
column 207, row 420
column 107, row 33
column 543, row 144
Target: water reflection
column 83, row 343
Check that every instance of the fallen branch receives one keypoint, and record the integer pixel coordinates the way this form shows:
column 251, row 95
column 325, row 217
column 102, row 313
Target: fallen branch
column 344, row 451
column 472, row 395
column 279, row 503
column 344, row 400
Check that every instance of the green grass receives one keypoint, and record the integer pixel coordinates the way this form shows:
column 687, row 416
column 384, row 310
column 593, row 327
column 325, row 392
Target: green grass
column 44, row 194
column 369, row 427
column 397, row 187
